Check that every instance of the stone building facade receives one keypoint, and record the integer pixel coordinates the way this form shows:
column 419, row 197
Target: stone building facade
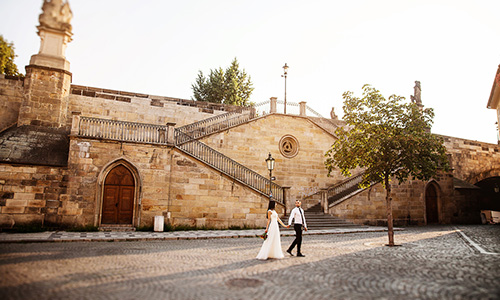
column 78, row 155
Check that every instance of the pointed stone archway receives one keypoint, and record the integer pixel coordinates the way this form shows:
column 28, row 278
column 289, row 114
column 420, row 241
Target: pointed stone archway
column 432, row 203
column 118, row 197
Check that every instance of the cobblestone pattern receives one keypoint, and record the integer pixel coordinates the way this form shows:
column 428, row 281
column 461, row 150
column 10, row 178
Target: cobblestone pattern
column 431, row 263
column 64, row 236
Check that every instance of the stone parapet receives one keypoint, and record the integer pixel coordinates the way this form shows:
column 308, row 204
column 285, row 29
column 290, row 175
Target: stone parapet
column 154, row 100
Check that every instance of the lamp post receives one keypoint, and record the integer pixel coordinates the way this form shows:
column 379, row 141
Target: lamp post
column 285, row 68
column 270, row 167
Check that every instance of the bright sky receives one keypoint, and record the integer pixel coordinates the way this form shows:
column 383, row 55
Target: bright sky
column 158, row 46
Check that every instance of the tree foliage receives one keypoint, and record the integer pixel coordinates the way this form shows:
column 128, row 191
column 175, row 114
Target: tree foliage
column 387, row 138
column 231, row 86
column 7, row 55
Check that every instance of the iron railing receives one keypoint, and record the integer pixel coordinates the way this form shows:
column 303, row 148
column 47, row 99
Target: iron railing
column 224, row 164
column 216, row 123
column 123, row 131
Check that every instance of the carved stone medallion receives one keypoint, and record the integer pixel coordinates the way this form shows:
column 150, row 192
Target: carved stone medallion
column 289, row 146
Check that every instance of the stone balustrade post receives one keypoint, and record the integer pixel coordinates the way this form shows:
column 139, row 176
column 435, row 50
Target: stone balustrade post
column 287, row 200
column 75, row 124
column 324, row 200
column 274, row 101
column 252, row 112
column 170, row 133
column 302, row 108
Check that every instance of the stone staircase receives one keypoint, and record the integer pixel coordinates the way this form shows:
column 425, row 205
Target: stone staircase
column 187, row 140
column 316, row 219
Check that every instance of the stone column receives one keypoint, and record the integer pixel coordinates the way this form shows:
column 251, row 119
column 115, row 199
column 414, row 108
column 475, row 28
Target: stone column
column 302, row 108
column 47, row 82
column 273, row 105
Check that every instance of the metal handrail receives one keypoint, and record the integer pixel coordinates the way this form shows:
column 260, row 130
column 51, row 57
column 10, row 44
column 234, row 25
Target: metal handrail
column 226, row 165
column 123, row 131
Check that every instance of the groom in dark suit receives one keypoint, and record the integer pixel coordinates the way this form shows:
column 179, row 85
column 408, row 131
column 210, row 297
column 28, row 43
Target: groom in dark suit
column 297, row 215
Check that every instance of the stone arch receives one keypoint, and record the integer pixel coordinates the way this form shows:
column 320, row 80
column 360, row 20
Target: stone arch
column 489, row 195
column 136, row 182
column 432, row 202
column 484, row 175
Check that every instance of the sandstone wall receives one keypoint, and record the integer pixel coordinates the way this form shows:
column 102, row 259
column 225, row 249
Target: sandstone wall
column 169, row 181
column 134, row 107
column 250, row 144
column 31, row 193
column 408, row 203
column 11, row 96
column 203, row 197
column 473, row 161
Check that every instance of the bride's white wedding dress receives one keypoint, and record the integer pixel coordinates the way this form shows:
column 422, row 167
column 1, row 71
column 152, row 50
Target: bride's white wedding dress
column 271, row 248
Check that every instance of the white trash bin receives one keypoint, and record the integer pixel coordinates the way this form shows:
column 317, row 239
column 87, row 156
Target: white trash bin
column 159, row 223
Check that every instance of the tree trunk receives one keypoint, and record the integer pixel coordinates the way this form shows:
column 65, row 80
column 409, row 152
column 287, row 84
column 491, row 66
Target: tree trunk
column 390, row 228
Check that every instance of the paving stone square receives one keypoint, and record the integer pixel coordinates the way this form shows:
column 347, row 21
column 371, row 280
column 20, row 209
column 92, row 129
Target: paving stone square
column 430, row 263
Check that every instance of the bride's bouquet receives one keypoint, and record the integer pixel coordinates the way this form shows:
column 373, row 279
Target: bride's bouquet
column 264, row 236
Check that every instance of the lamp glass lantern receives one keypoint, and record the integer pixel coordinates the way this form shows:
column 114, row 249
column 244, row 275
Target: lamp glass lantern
column 285, row 67
column 270, row 167
column 270, row 162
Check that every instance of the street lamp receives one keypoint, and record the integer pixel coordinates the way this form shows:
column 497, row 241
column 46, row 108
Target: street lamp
column 270, row 167
column 285, row 68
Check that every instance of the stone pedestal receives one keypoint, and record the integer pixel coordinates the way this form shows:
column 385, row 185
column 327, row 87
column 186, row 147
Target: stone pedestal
column 302, row 109
column 273, row 105
column 53, row 45
column 45, row 102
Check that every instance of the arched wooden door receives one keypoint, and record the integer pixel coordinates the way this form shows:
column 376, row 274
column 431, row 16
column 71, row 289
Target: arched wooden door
column 431, row 204
column 118, row 199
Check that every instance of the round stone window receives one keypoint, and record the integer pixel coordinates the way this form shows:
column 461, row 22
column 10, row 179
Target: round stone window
column 289, row 146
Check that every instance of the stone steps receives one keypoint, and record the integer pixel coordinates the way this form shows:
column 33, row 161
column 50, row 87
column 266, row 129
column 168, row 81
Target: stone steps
column 116, row 227
column 316, row 219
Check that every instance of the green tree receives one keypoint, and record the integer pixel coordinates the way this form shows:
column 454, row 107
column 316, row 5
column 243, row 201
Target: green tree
column 232, row 86
column 7, row 55
column 387, row 138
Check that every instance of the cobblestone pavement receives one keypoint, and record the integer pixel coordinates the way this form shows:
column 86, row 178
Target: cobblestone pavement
column 64, row 236
column 432, row 263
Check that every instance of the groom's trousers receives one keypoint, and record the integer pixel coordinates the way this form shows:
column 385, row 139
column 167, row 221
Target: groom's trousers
column 298, row 238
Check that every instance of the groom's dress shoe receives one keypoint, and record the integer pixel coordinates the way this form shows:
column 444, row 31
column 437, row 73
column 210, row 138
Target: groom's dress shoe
column 300, row 255
column 289, row 252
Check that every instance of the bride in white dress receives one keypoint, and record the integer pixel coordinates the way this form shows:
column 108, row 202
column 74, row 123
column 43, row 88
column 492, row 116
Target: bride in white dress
column 271, row 248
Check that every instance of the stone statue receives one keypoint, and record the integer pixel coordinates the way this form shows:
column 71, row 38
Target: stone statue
column 333, row 115
column 56, row 15
column 417, row 98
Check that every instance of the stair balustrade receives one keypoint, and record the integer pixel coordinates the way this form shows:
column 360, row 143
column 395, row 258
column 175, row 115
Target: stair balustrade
column 224, row 164
column 216, row 123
